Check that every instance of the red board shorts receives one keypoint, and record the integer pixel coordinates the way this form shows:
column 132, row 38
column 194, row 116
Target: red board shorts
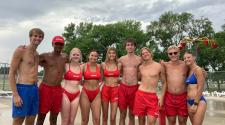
column 109, row 93
column 176, row 104
column 126, row 96
column 50, row 98
column 146, row 103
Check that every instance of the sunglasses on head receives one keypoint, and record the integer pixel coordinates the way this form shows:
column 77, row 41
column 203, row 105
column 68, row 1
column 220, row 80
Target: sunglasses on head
column 173, row 53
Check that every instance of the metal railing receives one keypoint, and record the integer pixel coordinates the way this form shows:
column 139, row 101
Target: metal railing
column 215, row 81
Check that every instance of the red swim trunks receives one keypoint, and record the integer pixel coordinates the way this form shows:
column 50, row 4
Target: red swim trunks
column 50, row 98
column 176, row 104
column 126, row 96
column 91, row 94
column 146, row 103
column 109, row 94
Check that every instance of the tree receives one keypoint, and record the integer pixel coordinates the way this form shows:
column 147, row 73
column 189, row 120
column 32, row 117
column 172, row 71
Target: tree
column 87, row 36
column 172, row 27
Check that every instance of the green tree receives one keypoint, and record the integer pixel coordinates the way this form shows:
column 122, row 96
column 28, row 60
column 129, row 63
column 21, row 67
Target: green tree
column 172, row 27
column 87, row 36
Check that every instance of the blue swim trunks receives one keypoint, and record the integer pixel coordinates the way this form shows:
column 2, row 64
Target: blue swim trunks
column 30, row 97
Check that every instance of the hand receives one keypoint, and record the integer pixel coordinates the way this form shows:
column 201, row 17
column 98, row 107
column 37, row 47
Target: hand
column 162, row 62
column 193, row 109
column 160, row 103
column 17, row 101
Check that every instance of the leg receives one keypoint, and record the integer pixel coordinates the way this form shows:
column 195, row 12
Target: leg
column 113, row 112
column 96, row 110
column 65, row 113
column 53, row 118
column 85, row 108
column 131, row 117
column 41, row 119
column 30, row 120
column 198, row 117
column 151, row 120
column 18, row 120
column 182, row 120
column 105, row 106
column 123, row 114
column 141, row 120
column 172, row 120
column 74, row 107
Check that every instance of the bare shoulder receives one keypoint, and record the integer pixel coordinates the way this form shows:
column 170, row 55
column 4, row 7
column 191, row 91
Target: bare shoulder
column 166, row 63
column 20, row 49
column 19, row 52
column 138, row 57
column 82, row 65
column 99, row 65
column 103, row 64
column 141, row 66
column 157, row 64
column 64, row 55
column 44, row 55
column 121, row 58
column 198, row 70
column 181, row 62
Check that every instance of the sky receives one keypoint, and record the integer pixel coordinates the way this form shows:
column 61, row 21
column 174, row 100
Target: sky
column 17, row 17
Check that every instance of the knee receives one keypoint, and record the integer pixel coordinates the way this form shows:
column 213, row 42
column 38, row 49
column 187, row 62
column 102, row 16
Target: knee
column 65, row 121
column 131, row 116
column 105, row 117
column 182, row 122
column 123, row 115
column 112, row 119
column 96, row 120
column 71, row 123
column 18, row 121
column 40, row 121
column 172, row 121
column 85, row 121
column 53, row 121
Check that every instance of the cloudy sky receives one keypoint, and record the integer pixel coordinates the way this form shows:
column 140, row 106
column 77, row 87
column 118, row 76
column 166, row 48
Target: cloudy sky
column 17, row 17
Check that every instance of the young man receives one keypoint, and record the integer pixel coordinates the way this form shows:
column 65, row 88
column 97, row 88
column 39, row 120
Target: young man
column 129, row 83
column 146, row 100
column 24, row 68
column 176, row 95
column 50, row 89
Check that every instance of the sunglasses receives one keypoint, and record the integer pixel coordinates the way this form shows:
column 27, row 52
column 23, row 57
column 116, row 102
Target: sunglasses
column 173, row 53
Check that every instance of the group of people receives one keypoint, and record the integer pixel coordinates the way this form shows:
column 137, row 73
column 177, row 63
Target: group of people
column 114, row 83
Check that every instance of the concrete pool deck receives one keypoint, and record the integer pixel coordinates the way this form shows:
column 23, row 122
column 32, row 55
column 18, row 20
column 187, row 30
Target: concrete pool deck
column 215, row 114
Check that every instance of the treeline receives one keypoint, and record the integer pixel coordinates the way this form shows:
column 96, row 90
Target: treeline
column 169, row 29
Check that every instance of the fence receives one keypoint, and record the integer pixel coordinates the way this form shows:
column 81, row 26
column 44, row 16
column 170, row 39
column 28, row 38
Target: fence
column 4, row 71
column 215, row 81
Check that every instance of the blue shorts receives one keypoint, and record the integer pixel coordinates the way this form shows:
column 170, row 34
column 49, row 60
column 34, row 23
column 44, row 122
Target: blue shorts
column 30, row 98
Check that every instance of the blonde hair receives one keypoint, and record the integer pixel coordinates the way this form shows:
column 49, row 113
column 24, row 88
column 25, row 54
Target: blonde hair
column 146, row 48
column 108, row 50
column 74, row 49
column 173, row 47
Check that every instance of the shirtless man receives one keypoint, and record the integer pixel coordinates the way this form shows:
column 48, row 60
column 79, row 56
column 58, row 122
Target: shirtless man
column 24, row 68
column 50, row 90
column 129, row 83
column 146, row 100
column 176, row 95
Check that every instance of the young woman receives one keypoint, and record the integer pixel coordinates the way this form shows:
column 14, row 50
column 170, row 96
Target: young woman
column 111, row 71
column 71, row 90
column 90, row 95
column 195, row 81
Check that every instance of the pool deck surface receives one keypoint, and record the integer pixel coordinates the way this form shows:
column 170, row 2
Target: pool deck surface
column 215, row 114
